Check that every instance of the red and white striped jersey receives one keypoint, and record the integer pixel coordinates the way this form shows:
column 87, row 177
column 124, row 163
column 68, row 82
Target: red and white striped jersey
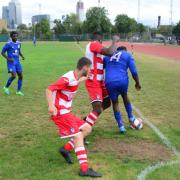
column 64, row 90
column 93, row 51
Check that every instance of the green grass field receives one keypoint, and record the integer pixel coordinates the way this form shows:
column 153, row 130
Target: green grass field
column 29, row 141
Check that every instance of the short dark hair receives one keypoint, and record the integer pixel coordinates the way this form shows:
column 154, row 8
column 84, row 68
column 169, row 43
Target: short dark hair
column 12, row 33
column 95, row 34
column 83, row 62
column 120, row 48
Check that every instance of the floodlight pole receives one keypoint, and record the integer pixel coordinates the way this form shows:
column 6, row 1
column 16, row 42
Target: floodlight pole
column 138, row 15
column 99, row 3
column 171, row 14
column 99, row 18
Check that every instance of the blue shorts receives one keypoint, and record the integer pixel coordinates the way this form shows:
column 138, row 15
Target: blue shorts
column 14, row 67
column 117, row 88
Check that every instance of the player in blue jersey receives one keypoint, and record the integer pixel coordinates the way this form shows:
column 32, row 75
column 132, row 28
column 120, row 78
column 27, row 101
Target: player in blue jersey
column 117, row 81
column 11, row 52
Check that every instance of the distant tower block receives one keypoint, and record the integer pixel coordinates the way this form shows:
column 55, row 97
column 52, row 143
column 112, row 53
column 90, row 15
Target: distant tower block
column 80, row 10
column 171, row 13
column 159, row 22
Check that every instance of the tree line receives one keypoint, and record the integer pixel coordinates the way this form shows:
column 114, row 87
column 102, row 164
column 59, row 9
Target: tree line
column 96, row 20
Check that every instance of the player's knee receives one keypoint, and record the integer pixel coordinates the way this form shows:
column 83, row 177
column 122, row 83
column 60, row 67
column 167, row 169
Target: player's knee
column 13, row 76
column 20, row 76
column 106, row 103
column 88, row 129
column 98, row 110
column 78, row 137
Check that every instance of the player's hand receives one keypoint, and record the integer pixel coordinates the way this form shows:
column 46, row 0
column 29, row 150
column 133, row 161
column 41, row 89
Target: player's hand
column 84, row 78
column 10, row 60
column 115, row 38
column 138, row 86
column 52, row 110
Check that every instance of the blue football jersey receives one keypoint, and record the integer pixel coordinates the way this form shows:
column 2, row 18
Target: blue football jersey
column 12, row 49
column 117, row 66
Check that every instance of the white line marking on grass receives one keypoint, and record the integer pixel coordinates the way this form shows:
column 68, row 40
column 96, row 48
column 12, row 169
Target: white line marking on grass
column 143, row 174
column 165, row 140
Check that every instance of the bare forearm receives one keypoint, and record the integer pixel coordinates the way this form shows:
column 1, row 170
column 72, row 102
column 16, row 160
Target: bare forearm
column 109, row 51
column 136, row 79
column 21, row 55
column 112, row 48
column 4, row 55
column 49, row 97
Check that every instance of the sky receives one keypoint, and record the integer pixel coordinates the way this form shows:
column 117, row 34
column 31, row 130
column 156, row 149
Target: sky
column 149, row 9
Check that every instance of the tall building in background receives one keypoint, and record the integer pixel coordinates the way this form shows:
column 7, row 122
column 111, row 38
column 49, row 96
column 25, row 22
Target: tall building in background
column 5, row 14
column 38, row 18
column 12, row 14
column 80, row 11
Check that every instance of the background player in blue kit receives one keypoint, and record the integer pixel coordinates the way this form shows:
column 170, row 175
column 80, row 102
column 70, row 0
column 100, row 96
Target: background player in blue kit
column 11, row 52
column 117, row 81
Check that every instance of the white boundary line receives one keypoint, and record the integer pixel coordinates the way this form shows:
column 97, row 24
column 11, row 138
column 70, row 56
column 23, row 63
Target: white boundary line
column 143, row 174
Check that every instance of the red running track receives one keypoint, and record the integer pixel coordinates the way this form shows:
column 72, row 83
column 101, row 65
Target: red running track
column 169, row 52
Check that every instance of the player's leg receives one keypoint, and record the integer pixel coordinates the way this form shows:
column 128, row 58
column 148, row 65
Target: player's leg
column 72, row 126
column 128, row 107
column 20, row 79
column 85, row 128
column 82, row 157
column 106, row 99
column 113, row 94
column 97, row 109
column 117, row 115
column 99, row 101
column 95, row 94
column 9, row 81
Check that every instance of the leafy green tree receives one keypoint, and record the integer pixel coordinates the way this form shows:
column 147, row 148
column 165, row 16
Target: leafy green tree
column 22, row 27
column 59, row 28
column 97, row 20
column 141, row 28
column 176, row 29
column 43, row 30
column 71, row 24
column 125, row 24
column 4, row 31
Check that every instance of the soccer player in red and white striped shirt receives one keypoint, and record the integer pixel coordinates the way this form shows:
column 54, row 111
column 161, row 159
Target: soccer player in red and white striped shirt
column 59, row 96
column 95, row 83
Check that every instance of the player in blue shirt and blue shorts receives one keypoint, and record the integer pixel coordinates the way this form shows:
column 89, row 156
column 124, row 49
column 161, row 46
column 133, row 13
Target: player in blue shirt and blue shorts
column 117, row 81
column 11, row 52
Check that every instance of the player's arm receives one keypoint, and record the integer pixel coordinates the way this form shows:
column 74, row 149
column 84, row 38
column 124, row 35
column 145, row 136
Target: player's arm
column 4, row 51
column 22, row 56
column 112, row 48
column 98, row 47
column 133, row 70
column 58, row 85
column 20, row 53
column 51, row 107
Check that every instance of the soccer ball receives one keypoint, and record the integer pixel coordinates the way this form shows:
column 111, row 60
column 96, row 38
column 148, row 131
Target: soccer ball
column 137, row 124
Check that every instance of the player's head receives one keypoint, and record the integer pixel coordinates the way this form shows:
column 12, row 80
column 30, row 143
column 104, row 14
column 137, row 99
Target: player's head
column 97, row 36
column 83, row 66
column 14, row 36
column 122, row 48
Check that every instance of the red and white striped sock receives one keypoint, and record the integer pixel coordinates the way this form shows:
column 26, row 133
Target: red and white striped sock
column 69, row 146
column 82, row 158
column 91, row 118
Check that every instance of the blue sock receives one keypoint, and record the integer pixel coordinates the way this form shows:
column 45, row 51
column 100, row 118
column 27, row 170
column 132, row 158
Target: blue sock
column 118, row 118
column 19, row 84
column 10, row 80
column 129, row 110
